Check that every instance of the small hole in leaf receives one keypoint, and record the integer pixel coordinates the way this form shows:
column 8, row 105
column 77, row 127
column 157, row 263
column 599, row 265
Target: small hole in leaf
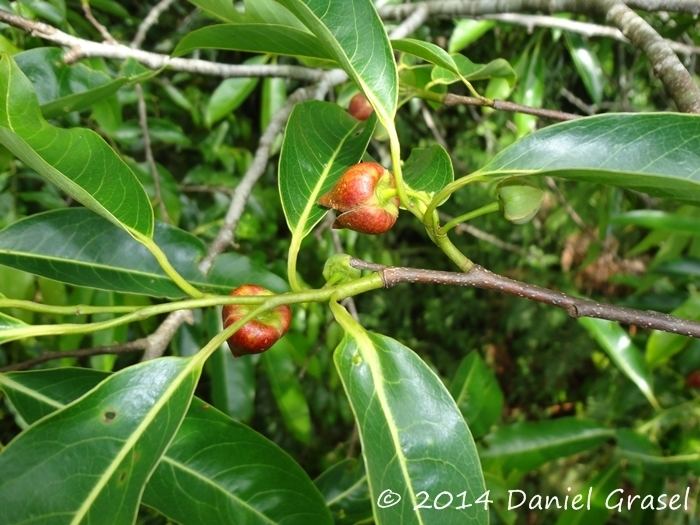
column 122, row 476
column 109, row 415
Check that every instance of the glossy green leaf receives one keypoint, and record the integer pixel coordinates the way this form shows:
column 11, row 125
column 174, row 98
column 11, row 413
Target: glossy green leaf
column 410, row 429
column 344, row 488
column 427, row 51
column 640, row 450
column 658, row 220
column 428, row 169
column 468, row 70
column 244, row 475
column 661, row 346
column 230, row 94
column 622, row 352
column 587, row 65
column 254, row 37
column 526, row 446
column 468, row 31
column 78, row 247
column 289, row 396
column 320, row 142
column 477, row 394
column 222, row 9
column 530, row 91
column 354, row 36
column 78, row 160
column 62, row 88
column 274, row 97
column 123, row 425
column 658, row 153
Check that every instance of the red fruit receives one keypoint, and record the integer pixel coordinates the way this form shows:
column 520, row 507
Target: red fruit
column 692, row 380
column 259, row 334
column 366, row 198
column 360, row 108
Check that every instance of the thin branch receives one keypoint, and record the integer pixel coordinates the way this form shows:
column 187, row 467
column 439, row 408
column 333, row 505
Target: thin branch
column 479, row 277
column 148, row 150
column 82, row 48
column 149, row 21
column 451, row 99
column 583, row 28
column 679, row 84
column 487, row 7
column 102, row 30
column 132, row 346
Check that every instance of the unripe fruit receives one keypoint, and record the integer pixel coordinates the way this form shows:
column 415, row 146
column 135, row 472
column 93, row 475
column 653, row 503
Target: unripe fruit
column 366, row 198
column 519, row 202
column 259, row 334
column 360, row 108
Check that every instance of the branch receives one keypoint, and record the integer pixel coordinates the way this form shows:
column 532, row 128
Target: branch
column 150, row 20
column 583, row 28
column 479, row 277
column 82, row 48
column 502, row 105
column 132, row 346
column 678, row 82
column 675, row 77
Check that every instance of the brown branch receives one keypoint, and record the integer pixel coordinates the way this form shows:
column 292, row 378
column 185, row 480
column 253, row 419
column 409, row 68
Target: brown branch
column 451, row 99
column 132, row 346
column 479, row 277
column 82, row 48
column 679, row 84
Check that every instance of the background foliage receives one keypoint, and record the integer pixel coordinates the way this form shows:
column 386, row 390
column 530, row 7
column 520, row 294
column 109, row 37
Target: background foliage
column 551, row 403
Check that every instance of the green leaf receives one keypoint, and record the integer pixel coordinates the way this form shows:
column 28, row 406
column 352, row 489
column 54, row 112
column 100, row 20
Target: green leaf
column 526, row 446
column 76, row 246
column 61, row 88
column 658, row 153
column 230, row 94
column 428, row 169
column 243, row 475
column 661, row 346
column 123, row 425
column 222, row 9
column 274, row 97
column 468, row 70
column 354, row 36
column 477, row 394
column 282, row 374
column 658, row 220
column 468, row 31
column 427, row 51
column 622, row 352
column 320, row 142
column 254, row 37
column 530, row 91
column 344, row 488
column 77, row 160
column 587, row 65
column 410, row 429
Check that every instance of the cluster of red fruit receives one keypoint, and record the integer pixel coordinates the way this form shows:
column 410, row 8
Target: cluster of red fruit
column 365, row 198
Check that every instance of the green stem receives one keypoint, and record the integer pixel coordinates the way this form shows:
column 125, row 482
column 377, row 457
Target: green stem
column 448, row 190
column 294, row 247
column 465, row 217
column 395, row 147
column 168, row 268
column 364, row 284
column 76, row 309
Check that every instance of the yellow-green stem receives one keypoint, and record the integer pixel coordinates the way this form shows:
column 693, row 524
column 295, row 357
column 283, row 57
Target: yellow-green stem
column 76, row 309
column 484, row 210
column 294, row 247
column 364, row 284
column 168, row 268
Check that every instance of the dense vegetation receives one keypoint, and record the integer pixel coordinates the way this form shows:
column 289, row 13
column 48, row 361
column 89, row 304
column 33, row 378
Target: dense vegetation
column 144, row 192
